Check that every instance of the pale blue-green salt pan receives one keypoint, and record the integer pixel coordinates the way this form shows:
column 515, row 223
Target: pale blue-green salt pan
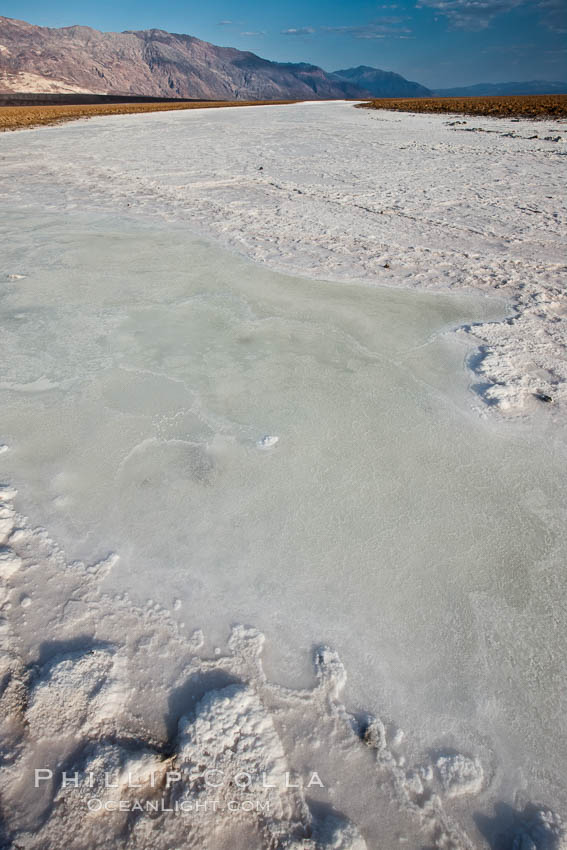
column 306, row 458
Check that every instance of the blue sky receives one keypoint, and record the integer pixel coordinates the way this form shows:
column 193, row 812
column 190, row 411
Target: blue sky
column 439, row 43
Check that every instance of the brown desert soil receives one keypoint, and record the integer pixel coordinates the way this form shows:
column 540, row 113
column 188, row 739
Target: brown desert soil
column 521, row 106
column 19, row 117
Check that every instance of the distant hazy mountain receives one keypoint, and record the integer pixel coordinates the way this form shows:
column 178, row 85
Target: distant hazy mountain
column 382, row 83
column 532, row 87
column 150, row 62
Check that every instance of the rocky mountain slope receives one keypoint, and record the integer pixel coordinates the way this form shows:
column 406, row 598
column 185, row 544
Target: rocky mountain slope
column 382, row 83
column 151, row 62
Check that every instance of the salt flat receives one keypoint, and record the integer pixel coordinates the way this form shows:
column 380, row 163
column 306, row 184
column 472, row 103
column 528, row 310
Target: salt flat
column 397, row 519
column 333, row 192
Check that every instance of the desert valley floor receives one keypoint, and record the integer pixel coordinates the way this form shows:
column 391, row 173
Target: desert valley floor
column 283, row 456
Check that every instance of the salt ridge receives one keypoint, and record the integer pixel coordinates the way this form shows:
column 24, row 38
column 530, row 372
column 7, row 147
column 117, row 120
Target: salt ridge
column 67, row 704
column 341, row 193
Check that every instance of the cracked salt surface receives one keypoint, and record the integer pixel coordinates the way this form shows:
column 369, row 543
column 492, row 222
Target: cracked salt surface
column 423, row 542
column 345, row 193
column 74, row 709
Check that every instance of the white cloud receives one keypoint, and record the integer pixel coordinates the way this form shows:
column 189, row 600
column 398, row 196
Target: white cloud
column 298, row 31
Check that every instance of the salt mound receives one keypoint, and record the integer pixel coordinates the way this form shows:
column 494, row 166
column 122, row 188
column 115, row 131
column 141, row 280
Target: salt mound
column 460, row 774
column 227, row 775
column 268, row 441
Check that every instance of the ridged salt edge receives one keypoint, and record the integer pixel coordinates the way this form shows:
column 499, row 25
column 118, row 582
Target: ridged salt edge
column 64, row 705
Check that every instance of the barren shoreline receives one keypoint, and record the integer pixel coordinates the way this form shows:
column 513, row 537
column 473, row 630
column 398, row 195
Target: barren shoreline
column 535, row 107
column 501, row 106
column 25, row 117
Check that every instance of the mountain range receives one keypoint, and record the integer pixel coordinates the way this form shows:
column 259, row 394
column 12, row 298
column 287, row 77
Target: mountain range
column 382, row 83
column 531, row 87
column 151, row 62
column 156, row 63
